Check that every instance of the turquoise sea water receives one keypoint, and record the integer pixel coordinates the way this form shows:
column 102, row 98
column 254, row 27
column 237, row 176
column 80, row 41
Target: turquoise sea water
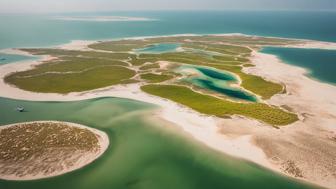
column 321, row 64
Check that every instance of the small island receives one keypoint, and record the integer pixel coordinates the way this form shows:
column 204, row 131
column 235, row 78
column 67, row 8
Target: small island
column 41, row 149
column 210, row 69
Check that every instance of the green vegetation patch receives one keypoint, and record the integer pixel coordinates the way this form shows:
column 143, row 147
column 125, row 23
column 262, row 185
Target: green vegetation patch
column 214, row 106
column 260, row 86
column 74, row 53
column 229, row 53
column 141, row 61
column 71, row 64
column 156, row 78
column 230, row 58
column 150, row 66
column 41, row 149
column 37, row 137
column 72, row 82
column 118, row 46
column 240, row 40
column 223, row 49
column 186, row 58
column 73, row 71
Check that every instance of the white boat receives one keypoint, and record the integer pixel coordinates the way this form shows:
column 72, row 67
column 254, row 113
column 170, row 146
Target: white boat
column 20, row 109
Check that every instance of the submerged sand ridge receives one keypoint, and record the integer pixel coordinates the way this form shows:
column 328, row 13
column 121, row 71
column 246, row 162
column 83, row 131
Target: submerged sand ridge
column 35, row 150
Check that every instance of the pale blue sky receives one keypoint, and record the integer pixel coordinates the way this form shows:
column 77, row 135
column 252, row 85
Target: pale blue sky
column 110, row 5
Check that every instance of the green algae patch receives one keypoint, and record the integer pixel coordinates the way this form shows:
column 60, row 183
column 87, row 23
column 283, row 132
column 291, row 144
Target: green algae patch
column 214, row 106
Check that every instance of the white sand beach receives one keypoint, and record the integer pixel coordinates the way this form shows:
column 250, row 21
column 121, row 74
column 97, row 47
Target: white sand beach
column 309, row 44
column 312, row 138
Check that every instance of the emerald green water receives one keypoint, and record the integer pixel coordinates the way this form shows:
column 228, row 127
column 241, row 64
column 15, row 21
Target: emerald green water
column 143, row 153
column 215, row 80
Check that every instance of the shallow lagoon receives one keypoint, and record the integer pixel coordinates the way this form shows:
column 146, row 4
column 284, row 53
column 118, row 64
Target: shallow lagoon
column 215, row 80
column 10, row 58
column 144, row 153
column 158, row 48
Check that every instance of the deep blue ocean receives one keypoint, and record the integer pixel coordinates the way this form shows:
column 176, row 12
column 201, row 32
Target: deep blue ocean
column 43, row 30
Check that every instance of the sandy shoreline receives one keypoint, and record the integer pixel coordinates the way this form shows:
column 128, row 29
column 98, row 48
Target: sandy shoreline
column 310, row 44
column 239, row 137
column 84, row 160
column 15, row 52
column 312, row 139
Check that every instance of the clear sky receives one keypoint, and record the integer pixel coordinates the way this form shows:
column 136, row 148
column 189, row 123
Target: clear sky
column 110, row 5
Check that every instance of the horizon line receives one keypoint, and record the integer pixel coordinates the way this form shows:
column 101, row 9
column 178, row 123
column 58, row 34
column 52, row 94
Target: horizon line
column 168, row 10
